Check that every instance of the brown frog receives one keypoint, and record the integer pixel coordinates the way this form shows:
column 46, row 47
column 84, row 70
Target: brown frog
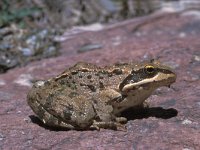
column 86, row 96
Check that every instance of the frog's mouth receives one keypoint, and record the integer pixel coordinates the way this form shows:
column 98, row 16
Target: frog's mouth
column 159, row 80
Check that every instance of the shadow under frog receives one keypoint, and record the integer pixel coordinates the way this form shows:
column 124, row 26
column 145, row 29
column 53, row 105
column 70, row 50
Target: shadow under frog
column 130, row 114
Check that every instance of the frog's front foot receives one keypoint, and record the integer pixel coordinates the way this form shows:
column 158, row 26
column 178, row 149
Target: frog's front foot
column 143, row 105
column 108, row 125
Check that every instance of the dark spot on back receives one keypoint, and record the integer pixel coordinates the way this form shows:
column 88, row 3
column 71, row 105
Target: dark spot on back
column 101, row 86
column 89, row 76
column 68, row 112
column 117, row 71
column 82, row 84
column 95, row 101
column 110, row 75
column 100, row 77
column 92, row 88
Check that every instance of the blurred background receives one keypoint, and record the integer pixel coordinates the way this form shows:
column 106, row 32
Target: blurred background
column 28, row 27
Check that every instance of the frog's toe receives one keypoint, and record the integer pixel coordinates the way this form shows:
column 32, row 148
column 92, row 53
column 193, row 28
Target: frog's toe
column 94, row 127
column 121, row 120
column 108, row 125
column 145, row 104
column 121, row 127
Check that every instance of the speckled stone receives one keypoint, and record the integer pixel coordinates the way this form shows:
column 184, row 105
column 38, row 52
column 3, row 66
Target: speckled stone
column 171, row 122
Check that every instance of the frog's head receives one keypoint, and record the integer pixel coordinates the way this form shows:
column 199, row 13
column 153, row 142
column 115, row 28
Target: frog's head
column 147, row 77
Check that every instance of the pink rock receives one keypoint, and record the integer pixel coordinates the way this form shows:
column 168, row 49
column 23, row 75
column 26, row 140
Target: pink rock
column 173, row 38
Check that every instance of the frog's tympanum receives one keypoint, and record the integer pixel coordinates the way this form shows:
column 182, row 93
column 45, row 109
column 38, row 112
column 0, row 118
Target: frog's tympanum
column 89, row 97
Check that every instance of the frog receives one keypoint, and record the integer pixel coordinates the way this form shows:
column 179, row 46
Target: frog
column 86, row 96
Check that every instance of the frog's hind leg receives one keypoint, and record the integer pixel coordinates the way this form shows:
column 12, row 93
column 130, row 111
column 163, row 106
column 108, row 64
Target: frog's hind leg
column 104, row 110
column 50, row 120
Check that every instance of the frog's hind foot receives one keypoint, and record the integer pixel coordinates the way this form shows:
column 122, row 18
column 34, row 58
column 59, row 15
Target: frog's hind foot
column 121, row 120
column 108, row 125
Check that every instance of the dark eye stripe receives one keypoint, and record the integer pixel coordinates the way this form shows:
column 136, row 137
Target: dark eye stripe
column 125, row 81
column 164, row 71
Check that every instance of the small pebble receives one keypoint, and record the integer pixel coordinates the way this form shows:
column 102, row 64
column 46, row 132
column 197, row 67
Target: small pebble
column 89, row 47
column 27, row 51
column 1, row 136
column 186, row 121
column 24, row 80
column 2, row 82
column 197, row 58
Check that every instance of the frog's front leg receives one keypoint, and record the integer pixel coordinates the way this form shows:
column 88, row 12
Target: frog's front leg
column 104, row 110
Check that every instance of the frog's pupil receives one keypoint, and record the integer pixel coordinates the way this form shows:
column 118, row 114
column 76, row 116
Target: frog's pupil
column 150, row 69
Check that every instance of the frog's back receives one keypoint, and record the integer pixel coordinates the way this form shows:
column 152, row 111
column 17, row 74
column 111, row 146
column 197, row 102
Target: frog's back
column 86, row 78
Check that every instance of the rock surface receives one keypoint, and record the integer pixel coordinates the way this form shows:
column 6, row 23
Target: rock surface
column 171, row 122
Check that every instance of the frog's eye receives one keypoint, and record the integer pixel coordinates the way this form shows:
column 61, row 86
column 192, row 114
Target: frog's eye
column 150, row 69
